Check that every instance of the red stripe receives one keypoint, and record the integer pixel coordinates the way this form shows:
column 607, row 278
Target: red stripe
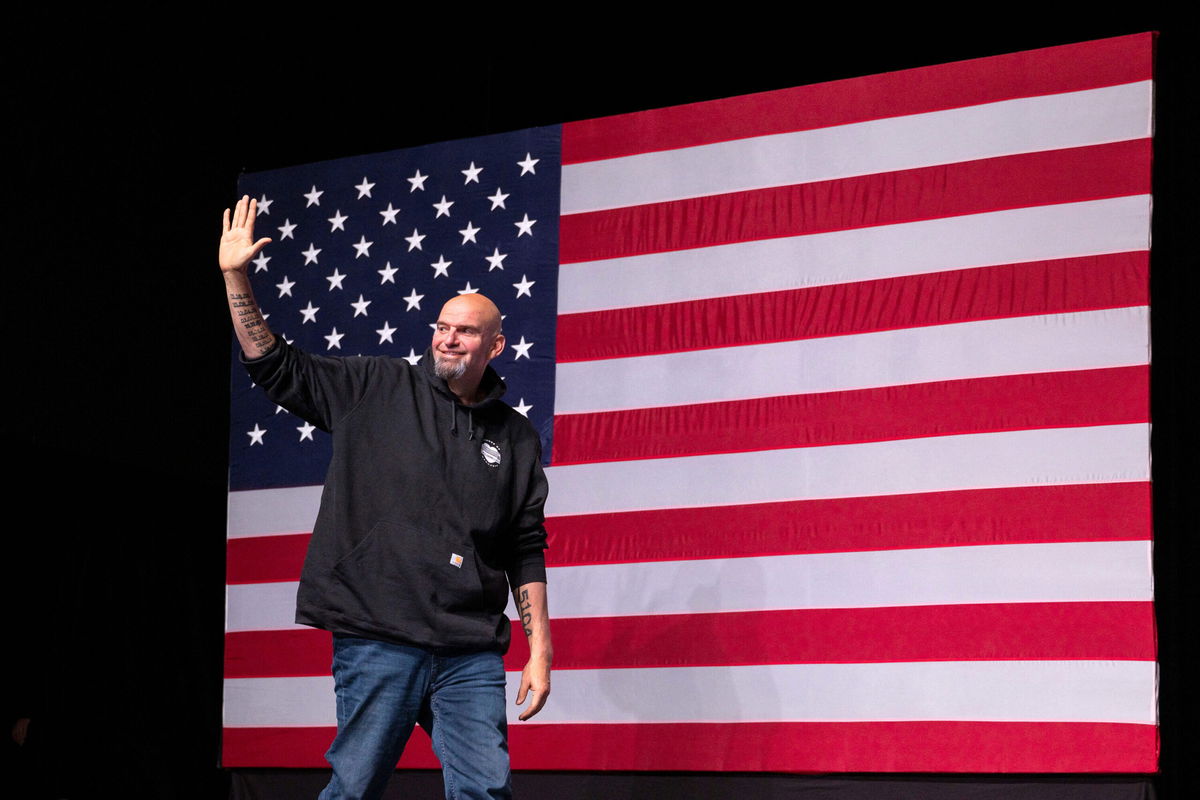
column 1073, row 513
column 945, row 190
column 305, row 747
column 1051, row 70
column 265, row 559
column 938, row 298
column 1111, row 396
column 984, row 632
column 933, row 746
column 841, row 747
column 978, row 632
column 278, row 654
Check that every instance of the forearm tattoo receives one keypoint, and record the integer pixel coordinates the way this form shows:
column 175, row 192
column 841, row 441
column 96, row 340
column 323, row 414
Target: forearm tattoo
column 249, row 318
column 525, row 607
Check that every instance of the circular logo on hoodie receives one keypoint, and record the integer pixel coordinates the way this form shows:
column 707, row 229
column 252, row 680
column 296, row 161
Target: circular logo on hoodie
column 490, row 452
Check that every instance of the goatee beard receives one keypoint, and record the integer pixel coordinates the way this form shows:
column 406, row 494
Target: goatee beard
column 448, row 370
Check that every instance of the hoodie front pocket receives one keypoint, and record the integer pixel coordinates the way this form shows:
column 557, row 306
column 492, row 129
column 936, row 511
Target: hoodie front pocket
column 401, row 577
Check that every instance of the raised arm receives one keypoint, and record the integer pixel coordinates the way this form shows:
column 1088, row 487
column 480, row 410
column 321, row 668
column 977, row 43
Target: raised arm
column 237, row 248
column 535, row 620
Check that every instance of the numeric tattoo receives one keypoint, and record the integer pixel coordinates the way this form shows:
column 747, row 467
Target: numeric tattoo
column 248, row 315
column 525, row 607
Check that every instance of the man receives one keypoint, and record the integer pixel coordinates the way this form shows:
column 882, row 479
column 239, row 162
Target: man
column 432, row 508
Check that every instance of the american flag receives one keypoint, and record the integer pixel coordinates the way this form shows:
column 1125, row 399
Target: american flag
column 844, row 394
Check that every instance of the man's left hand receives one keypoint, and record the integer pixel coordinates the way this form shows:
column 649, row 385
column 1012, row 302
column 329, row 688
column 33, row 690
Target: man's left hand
column 535, row 681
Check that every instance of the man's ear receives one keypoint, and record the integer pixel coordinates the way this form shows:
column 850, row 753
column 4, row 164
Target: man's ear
column 497, row 346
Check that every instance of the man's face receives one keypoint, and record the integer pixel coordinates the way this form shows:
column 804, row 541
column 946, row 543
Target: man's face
column 466, row 339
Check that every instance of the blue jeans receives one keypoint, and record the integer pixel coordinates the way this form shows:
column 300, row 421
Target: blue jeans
column 383, row 689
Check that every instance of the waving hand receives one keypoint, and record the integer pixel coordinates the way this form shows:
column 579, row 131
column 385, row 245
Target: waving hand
column 237, row 237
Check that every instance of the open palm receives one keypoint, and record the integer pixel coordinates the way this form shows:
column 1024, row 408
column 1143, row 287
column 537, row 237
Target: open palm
column 237, row 237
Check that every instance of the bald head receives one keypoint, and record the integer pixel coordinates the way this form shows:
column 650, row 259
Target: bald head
column 483, row 309
column 466, row 338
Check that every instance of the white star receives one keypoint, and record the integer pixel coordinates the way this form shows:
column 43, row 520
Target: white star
column 335, row 222
column 335, row 339
column 256, row 435
column 412, row 357
column 363, row 247
column 314, row 197
column 264, row 207
column 260, row 263
column 443, row 207
column 361, row 306
column 364, row 188
column 417, row 181
column 335, row 280
column 387, row 272
column 524, row 286
column 496, row 259
column 521, row 408
column 310, row 255
column 522, row 349
column 413, row 300
column 285, row 287
column 441, row 266
column 497, row 199
column 285, row 230
column 306, row 431
column 414, row 241
column 527, row 164
column 468, row 233
column 472, row 173
column 389, row 214
column 468, row 289
column 280, row 410
column 385, row 333
column 310, row 313
column 525, row 226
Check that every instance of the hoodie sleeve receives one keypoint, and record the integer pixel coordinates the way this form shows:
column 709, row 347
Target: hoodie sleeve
column 528, row 563
column 318, row 389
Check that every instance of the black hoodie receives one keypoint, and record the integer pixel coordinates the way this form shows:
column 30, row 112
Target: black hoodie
column 428, row 503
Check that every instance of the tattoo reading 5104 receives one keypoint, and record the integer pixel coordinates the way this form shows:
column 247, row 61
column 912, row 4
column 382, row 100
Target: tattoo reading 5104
column 526, row 614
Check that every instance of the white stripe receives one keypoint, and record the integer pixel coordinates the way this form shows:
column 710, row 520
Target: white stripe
column 1011, row 573
column 1077, row 691
column 279, row 702
column 1011, row 345
column 1064, row 230
column 1098, row 454
column 273, row 512
column 1012, row 691
column 1030, row 124
column 1015, row 573
column 261, row 607
column 935, row 464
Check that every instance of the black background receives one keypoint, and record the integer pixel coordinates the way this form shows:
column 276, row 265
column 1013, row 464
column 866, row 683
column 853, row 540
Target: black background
column 129, row 134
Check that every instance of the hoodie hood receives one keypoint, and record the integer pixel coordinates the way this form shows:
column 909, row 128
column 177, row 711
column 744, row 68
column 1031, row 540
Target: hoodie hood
column 491, row 385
